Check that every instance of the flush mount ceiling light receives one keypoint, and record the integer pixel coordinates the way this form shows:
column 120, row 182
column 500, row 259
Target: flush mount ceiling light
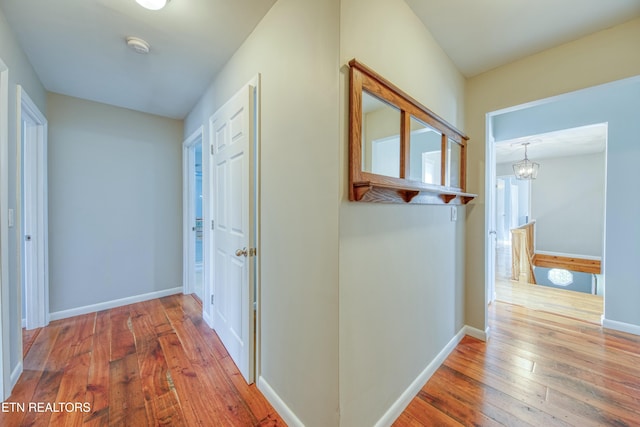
column 138, row 45
column 526, row 169
column 152, row 4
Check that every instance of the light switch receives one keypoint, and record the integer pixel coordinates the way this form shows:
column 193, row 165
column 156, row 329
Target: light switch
column 454, row 213
column 11, row 217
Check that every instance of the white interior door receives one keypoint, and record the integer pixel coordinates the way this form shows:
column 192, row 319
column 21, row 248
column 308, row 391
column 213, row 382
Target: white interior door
column 34, row 229
column 232, row 132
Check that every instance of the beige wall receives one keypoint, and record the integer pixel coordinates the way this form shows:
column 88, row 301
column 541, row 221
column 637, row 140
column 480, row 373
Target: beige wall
column 602, row 57
column 115, row 203
column 20, row 73
column 295, row 49
column 401, row 267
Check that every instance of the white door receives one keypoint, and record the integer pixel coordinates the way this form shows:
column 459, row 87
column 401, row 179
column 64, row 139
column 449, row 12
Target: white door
column 232, row 136
column 33, row 137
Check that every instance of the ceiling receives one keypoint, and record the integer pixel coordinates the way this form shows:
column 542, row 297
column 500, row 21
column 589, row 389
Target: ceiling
column 569, row 142
column 481, row 35
column 77, row 47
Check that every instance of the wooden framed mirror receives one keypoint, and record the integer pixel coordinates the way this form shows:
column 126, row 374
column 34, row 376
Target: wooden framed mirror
column 399, row 150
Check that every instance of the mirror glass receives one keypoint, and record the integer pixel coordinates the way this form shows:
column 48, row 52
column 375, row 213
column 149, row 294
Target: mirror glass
column 425, row 154
column 380, row 137
column 455, row 154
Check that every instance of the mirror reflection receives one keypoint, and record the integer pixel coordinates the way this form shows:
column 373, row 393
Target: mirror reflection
column 380, row 137
column 455, row 154
column 425, row 157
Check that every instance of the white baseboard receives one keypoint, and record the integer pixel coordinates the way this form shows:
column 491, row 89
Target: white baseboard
column 207, row 319
column 278, row 404
column 15, row 375
column 620, row 326
column 114, row 303
column 476, row 333
column 407, row 396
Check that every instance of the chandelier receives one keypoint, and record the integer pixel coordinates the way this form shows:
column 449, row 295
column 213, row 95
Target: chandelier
column 526, row 169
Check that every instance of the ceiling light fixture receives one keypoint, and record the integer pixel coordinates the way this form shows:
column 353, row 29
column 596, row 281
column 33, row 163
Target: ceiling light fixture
column 152, row 4
column 138, row 45
column 526, row 169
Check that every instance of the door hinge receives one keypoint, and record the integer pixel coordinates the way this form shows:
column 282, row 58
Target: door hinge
column 212, row 224
column 212, row 299
column 211, row 147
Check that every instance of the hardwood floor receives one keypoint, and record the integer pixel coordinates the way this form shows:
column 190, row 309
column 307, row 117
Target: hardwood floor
column 538, row 368
column 147, row 364
column 576, row 305
column 156, row 363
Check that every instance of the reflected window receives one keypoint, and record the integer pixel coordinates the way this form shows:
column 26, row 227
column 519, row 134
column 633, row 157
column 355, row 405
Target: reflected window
column 380, row 137
column 425, row 156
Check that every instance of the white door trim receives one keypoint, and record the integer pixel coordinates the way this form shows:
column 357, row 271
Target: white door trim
column 188, row 186
column 37, row 280
column 5, row 335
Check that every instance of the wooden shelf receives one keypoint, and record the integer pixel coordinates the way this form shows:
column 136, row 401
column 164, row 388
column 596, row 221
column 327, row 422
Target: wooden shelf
column 368, row 191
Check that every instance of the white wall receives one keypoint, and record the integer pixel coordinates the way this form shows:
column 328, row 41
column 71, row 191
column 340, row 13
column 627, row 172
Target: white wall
column 599, row 58
column 295, row 49
column 22, row 73
column 567, row 202
column 115, row 197
column 401, row 266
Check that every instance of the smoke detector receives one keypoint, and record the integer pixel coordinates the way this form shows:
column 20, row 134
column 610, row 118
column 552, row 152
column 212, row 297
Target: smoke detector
column 138, row 45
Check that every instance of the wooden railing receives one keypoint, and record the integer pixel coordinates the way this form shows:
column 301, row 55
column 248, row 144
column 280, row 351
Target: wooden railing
column 572, row 263
column 522, row 253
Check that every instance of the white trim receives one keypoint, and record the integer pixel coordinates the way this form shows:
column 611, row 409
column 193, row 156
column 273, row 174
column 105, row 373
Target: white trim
column 620, row 326
column 407, row 396
column 187, row 235
column 15, row 375
column 114, row 303
column 278, row 404
column 476, row 333
column 5, row 386
column 37, row 288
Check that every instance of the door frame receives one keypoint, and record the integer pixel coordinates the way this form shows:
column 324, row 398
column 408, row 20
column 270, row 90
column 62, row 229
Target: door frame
column 5, row 335
column 208, row 200
column 36, row 297
column 188, row 189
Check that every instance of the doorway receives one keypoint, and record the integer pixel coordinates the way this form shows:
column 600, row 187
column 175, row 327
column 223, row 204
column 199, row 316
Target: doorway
column 33, row 218
column 193, row 216
column 512, row 211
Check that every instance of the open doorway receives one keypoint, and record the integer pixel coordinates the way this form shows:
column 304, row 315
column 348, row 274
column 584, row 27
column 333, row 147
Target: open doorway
column 550, row 229
column 193, row 216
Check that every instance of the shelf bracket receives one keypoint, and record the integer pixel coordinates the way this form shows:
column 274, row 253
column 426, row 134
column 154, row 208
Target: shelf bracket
column 360, row 190
column 447, row 197
column 408, row 195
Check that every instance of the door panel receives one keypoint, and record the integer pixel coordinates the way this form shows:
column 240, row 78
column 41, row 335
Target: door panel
column 233, row 203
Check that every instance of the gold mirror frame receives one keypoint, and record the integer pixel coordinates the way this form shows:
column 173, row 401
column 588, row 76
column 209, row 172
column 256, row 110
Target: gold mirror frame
column 371, row 187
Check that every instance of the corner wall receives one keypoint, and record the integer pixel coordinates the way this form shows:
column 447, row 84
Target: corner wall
column 401, row 266
column 115, row 203
column 20, row 72
column 599, row 58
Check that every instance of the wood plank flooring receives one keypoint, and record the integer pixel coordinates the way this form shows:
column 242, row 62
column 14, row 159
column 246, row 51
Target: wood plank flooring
column 577, row 305
column 154, row 363
column 537, row 369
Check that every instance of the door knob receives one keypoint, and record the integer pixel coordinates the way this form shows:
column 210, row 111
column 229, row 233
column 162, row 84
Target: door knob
column 242, row 252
